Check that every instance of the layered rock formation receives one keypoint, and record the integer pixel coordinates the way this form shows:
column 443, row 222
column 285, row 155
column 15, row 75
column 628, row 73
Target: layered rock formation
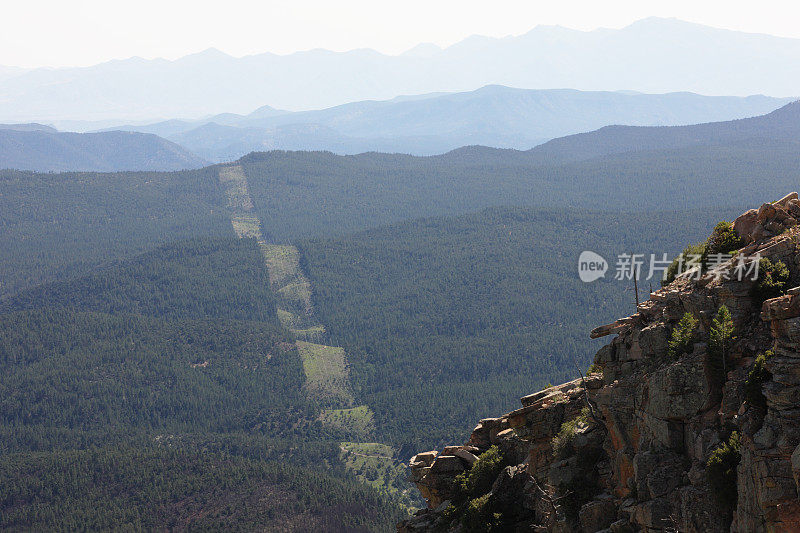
column 627, row 448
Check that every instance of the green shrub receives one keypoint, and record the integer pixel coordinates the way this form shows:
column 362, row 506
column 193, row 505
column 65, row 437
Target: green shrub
column 682, row 336
column 479, row 517
column 773, row 279
column 562, row 442
column 478, row 480
column 720, row 339
column 757, row 376
column 575, row 493
column 723, row 239
column 721, row 472
column 470, row 502
column 678, row 265
column 594, row 368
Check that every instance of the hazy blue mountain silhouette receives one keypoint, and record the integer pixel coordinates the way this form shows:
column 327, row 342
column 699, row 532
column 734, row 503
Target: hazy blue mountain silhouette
column 653, row 55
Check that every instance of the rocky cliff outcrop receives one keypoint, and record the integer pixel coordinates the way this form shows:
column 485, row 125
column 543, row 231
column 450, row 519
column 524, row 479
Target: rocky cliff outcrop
column 678, row 428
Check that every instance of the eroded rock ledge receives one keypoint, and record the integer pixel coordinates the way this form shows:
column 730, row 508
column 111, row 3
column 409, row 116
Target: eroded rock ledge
column 639, row 434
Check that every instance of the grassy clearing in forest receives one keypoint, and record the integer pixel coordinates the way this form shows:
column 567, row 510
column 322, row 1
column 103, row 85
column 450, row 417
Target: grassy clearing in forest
column 375, row 464
column 234, row 181
column 283, row 261
column 297, row 293
column 246, row 225
column 357, row 421
column 326, row 372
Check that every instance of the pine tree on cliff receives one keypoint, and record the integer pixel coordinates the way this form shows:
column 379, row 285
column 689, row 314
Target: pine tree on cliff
column 721, row 336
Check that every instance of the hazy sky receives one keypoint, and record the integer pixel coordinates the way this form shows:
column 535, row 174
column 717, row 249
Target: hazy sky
column 84, row 32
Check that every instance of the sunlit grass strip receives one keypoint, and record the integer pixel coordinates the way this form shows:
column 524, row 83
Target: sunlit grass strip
column 326, row 373
column 357, row 421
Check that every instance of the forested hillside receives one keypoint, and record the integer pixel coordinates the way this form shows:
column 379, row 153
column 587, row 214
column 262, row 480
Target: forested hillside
column 302, row 194
column 781, row 124
column 164, row 487
column 47, row 151
column 165, row 388
column 54, row 226
column 199, row 278
column 100, row 373
column 432, row 310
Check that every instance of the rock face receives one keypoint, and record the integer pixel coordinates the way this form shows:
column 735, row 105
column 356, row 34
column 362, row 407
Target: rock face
column 769, row 220
column 628, row 448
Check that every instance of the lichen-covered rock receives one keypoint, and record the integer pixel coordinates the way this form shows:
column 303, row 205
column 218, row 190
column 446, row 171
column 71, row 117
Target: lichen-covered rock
column 633, row 442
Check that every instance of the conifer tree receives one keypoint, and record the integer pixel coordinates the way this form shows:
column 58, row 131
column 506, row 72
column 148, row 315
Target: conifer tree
column 721, row 336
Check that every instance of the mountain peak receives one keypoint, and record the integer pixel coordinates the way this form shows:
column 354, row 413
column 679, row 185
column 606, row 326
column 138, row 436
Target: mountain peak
column 208, row 53
column 266, row 111
column 661, row 21
column 422, row 50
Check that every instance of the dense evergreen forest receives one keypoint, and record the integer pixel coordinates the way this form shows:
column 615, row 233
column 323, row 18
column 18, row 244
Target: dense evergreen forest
column 55, row 226
column 198, row 278
column 161, row 487
column 300, row 195
column 447, row 320
column 90, row 371
column 162, row 392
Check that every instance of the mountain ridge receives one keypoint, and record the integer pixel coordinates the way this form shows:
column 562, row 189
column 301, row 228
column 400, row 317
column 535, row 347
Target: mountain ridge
column 684, row 56
column 45, row 149
column 494, row 115
column 782, row 123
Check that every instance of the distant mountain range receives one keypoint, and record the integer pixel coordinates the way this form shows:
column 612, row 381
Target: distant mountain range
column 780, row 125
column 653, row 55
column 31, row 126
column 493, row 116
column 41, row 148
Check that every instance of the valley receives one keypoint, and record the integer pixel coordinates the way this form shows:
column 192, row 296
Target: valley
column 265, row 343
column 327, row 378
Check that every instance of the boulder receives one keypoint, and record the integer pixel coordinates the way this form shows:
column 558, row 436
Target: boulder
column 793, row 207
column 796, row 467
column 621, row 526
column 466, row 456
column 446, row 464
column 783, row 202
column 745, row 224
column 562, row 473
column 679, row 390
column 766, row 212
column 480, row 437
column 423, row 459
